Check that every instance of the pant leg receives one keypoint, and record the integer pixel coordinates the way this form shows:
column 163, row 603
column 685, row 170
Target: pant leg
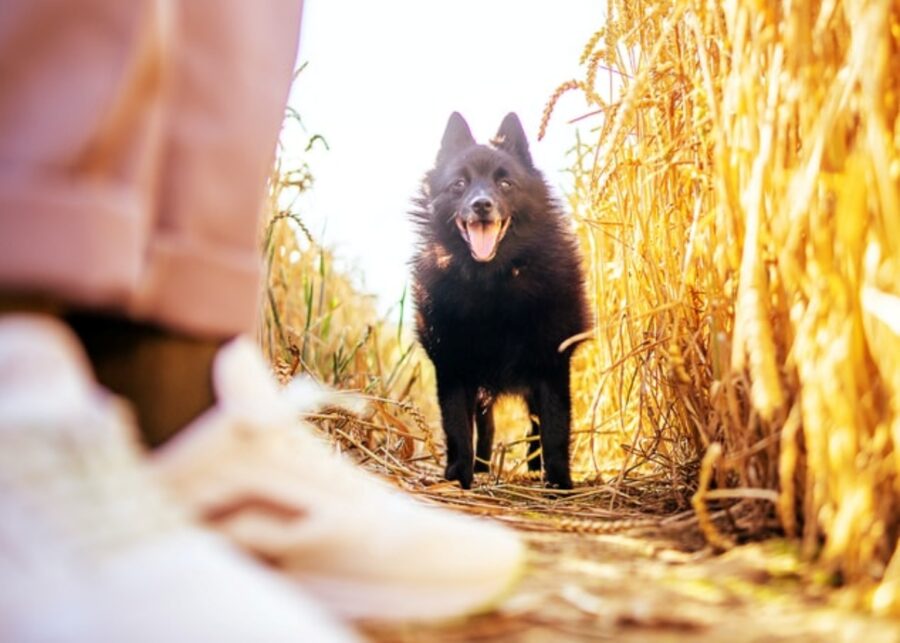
column 232, row 67
column 135, row 140
column 80, row 119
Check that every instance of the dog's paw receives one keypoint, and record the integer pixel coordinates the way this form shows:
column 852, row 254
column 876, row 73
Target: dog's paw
column 482, row 467
column 459, row 472
column 559, row 480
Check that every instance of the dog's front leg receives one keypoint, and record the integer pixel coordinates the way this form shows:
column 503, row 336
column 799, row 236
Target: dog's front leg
column 554, row 401
column 457, row 407
column 484, row 441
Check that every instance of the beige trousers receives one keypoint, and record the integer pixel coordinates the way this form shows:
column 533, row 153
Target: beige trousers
column 135, row 141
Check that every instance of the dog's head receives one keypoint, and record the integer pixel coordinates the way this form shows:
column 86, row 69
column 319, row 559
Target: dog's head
column 476, row 191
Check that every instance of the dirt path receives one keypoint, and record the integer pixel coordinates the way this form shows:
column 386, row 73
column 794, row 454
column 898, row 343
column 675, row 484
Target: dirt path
column 624, row 562
column 610, row 587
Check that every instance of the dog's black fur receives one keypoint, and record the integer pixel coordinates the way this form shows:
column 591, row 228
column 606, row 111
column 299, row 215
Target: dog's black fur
column 492, row 324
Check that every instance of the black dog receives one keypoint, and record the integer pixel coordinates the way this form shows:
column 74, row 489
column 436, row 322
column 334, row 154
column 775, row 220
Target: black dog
column 498, row 287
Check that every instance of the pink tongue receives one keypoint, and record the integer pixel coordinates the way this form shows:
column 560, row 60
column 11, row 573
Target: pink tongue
column 483, row 238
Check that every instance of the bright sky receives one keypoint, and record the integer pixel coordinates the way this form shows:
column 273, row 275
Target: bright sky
column 381, row 81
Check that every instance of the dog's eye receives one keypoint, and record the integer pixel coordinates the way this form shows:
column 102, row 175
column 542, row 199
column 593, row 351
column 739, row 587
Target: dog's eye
column 505, row 184
column 458, row 186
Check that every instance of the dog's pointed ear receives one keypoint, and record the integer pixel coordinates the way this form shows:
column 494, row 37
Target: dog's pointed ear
column 511, row 138
column 457, row 137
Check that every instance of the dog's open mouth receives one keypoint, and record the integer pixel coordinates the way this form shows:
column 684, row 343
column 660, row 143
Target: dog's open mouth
column 483, row 237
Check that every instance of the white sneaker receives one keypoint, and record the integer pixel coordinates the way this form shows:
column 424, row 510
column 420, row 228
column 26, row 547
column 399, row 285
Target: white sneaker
column 262, row 477
column 90, row 549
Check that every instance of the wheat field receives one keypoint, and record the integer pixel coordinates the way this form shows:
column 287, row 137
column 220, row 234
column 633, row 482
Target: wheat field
column 737, row 196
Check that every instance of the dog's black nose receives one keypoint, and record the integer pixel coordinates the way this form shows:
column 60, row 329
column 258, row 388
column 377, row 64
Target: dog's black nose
column 482, row 206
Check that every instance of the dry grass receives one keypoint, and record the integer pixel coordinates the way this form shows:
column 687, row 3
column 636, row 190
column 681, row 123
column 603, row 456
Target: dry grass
column 315, row 321
column 737, row 199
